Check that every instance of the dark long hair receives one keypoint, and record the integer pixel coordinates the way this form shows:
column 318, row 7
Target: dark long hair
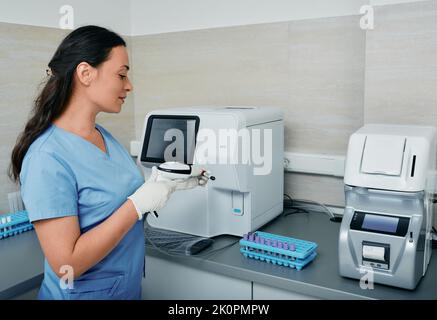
column 91, row 44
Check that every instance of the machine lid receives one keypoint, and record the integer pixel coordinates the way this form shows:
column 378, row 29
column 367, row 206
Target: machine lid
column 383, row 155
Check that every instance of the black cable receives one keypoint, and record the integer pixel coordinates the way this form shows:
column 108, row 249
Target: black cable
column 434, row 242
column 176, row 254
column 206, row 254
column 289, row 197
column 293, row 204
column 289, row 208
column 169, row 251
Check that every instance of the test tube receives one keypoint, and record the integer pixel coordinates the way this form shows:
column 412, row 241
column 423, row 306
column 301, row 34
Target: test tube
column 292, row 248
column 274, row 245
column 251, row 237
column 3, row 223
column 208, row 175
column 286, row 248
column 8, row 220
column 280, row 247
column 262, row 242
column 246, row 237
column 256, row 240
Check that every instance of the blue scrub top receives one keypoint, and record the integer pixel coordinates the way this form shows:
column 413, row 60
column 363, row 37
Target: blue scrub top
column 65, row 175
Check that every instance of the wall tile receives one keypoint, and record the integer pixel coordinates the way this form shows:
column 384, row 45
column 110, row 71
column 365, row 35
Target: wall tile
column 401, row 65
column 323, row 189
column 284, row 65
column 24, row 54
column 226, row 66
column 327, row 74
column 326, row 70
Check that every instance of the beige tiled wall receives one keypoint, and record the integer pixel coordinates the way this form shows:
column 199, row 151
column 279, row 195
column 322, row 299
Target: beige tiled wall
column 313, row 69
column 328, row 75
column 326, row 71
column 323, row 189
column 236, row 65
column 24, row 54
column 401, row 65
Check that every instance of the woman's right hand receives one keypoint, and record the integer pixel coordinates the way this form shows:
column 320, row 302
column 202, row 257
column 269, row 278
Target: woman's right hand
column 155, row 192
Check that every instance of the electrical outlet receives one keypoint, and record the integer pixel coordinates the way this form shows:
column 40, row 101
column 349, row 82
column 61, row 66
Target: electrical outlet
column 286, row 163
column 135, row 148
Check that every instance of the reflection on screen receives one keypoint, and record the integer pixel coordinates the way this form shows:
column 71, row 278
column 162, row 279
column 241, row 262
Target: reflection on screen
column 172, row 140
column 380, row 223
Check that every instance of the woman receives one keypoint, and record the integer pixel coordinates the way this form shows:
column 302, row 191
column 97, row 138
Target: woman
column 82, row 190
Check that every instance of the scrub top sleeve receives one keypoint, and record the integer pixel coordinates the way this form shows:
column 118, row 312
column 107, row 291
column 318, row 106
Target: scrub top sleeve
column 48, row 187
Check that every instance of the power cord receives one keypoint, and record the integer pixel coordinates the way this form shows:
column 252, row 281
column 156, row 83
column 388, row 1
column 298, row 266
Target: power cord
column 208, row 253
column 169, row 252
column 292, row 206
column 434, row 238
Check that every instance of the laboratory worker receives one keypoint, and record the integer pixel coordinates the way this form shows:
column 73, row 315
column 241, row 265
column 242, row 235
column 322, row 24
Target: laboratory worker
column 83, row 192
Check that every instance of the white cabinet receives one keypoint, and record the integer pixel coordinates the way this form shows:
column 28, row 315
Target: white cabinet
column 263, row 292
column 168, row 280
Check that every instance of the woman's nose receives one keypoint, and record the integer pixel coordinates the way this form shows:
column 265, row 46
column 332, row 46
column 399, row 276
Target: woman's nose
column 128, row 86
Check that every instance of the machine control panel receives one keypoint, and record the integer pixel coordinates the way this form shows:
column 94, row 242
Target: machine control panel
column 378, row 223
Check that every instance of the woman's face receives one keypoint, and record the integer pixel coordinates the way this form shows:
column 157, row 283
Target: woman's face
column 111, row 84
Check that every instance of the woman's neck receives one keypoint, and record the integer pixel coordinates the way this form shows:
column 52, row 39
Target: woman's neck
column 77, row 119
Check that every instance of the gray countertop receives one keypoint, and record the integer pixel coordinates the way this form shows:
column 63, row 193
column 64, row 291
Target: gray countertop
column 319, row 279
column 22, row 264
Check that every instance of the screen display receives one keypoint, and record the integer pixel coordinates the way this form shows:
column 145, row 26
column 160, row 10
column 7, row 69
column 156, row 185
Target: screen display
column 380, row 223
column 170, row 139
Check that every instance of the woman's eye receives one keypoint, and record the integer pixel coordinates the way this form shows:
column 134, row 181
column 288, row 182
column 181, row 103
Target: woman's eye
column 122, row 77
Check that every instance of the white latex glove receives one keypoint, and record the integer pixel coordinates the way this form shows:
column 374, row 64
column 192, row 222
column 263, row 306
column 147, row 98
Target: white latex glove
column 152, row 195
column 155, row 192
column 189, row 183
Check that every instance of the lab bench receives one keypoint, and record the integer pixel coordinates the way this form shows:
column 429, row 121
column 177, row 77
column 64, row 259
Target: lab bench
column 21, row 265
column 226, row 273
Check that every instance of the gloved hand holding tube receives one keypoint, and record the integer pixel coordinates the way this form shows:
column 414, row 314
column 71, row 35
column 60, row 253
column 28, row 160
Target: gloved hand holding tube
column 180, row 172
column 169, row 177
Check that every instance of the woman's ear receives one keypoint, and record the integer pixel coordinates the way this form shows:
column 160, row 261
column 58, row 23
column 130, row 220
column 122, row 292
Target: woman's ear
column 85, row 73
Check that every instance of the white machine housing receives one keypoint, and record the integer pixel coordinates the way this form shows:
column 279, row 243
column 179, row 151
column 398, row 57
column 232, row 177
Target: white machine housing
column 391, row 157
column 389, row 191
column 238, row 200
